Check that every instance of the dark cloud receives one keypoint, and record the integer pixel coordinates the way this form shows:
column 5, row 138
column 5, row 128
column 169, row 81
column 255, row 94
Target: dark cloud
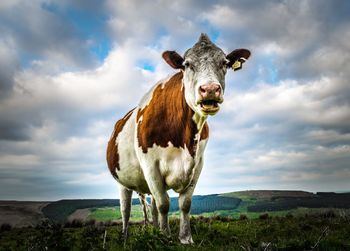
column 8, row 67
column 17, row 120
column 13, row 130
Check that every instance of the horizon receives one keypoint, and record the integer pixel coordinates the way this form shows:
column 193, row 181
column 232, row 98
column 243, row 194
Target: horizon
column 135, row 197
column 70, row 69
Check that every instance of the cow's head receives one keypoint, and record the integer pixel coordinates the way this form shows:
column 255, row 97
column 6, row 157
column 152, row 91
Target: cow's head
column 204, row 67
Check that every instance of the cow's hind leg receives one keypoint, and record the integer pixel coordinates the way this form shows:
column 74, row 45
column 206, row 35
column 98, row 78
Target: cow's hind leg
column 144, row 205
column 125, row 208
column 154, row 213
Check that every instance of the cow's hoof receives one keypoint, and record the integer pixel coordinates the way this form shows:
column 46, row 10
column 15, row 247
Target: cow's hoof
column 186, row 240
column 166, row 231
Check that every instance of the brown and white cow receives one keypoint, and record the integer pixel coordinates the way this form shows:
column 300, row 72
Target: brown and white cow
column 159, row 145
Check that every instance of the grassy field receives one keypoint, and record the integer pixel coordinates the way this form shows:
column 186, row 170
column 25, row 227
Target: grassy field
column 113, row 213
column 319, row 232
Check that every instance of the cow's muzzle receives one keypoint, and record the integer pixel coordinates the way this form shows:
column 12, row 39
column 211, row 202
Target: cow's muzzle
column 210, row 96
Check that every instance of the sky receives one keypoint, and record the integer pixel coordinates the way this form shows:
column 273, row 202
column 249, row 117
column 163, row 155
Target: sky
column 70, row 69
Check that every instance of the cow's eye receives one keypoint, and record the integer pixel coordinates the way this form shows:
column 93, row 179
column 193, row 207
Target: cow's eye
column 223, row 64
column 189, row 65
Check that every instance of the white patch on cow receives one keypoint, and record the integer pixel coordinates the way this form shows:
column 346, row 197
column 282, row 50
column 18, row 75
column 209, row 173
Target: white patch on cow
column 190, row 90
column 176, row 165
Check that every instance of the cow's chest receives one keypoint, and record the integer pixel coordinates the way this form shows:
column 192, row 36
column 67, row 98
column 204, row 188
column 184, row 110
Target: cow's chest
column 176, row 166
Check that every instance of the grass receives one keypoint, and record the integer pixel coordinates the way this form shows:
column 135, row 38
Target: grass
column 216, row 233
column 113, row 213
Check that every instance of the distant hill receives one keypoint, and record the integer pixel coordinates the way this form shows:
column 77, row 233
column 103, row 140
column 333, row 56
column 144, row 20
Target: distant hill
column 60, row 210
column 268, row 194
column 318, row 200
column 227, row 204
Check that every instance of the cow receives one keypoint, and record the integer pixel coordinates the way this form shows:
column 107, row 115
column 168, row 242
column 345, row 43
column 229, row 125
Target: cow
column 159, row 145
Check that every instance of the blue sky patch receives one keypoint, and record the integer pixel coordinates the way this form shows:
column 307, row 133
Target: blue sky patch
column 146, row 65
column 88, row 27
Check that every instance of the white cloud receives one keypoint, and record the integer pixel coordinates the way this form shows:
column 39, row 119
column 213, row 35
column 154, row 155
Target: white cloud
column 225, row 16
column 278, row 168
column 311, row 102
column 8, row 4
column 18, row 161
column 90, row 178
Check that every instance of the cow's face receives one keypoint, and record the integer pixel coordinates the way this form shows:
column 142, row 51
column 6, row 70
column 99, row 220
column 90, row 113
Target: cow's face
column 204, row 67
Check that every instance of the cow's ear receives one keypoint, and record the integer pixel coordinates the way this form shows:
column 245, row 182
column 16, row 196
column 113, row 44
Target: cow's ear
column 237, row 57
column 173, row 59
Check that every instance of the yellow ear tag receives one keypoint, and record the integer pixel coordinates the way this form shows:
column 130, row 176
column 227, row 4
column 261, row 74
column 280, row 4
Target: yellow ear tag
column 237, row 65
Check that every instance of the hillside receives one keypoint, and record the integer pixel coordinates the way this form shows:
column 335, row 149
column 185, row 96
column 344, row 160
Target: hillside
column 268, row 194
column 21, row 213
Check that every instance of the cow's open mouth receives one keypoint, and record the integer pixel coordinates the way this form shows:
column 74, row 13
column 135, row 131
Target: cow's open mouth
column 209, row 106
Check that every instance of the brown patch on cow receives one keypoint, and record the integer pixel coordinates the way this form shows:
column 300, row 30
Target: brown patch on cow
column 168, row 118
column 112, row 148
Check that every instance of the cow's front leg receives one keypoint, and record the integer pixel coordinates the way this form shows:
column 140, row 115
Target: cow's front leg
column 163, row 203
column 157, row 188
column 185, row 200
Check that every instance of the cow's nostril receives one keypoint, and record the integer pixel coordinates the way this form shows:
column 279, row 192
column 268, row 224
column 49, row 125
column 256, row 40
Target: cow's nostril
column 210, row 90
column 202, row 90
column 218, row 90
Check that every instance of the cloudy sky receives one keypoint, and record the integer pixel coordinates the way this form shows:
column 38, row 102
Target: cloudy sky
column 70, row 69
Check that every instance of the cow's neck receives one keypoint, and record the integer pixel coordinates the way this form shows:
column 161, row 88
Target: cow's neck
column 199, row 120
